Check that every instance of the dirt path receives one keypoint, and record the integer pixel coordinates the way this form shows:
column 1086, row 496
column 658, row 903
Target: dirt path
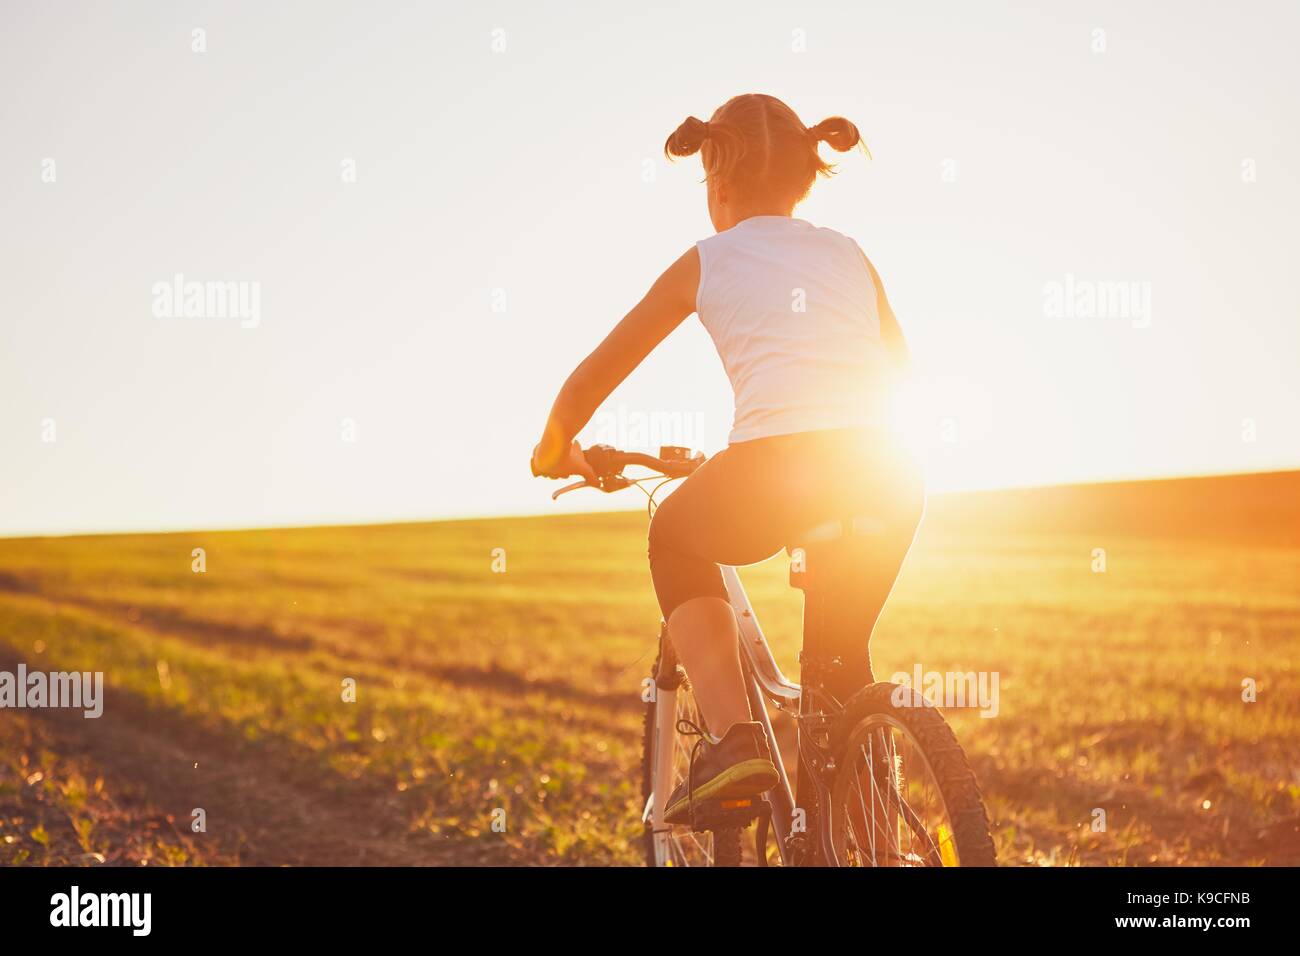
column 268, row 802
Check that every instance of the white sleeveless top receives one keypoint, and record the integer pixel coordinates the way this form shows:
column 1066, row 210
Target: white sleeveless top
column 792, row 310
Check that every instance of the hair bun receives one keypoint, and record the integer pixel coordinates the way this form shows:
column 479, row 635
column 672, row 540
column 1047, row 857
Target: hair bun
column 837, row 132
column 687, row 139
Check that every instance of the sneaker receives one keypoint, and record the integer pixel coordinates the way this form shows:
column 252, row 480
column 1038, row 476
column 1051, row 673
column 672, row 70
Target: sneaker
column 737, row 765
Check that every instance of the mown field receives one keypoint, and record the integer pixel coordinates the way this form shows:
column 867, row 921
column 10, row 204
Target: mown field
column 512, row 695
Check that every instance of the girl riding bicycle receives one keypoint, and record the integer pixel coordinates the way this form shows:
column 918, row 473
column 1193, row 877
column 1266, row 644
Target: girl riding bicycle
column 807, row 338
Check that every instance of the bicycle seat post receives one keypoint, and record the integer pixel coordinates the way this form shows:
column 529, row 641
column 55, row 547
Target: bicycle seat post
column 814, row 561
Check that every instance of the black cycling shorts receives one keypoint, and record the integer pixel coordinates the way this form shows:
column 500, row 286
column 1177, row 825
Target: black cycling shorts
column 757, row 497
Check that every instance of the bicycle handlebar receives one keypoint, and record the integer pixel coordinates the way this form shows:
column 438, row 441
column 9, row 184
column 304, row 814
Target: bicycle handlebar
column 608, row 464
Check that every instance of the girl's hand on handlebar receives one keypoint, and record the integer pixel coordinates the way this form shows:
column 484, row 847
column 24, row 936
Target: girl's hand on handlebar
column 573, row 462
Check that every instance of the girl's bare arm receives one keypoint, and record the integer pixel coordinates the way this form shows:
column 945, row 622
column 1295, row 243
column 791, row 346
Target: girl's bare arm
column 890, row 331
column 670, row 300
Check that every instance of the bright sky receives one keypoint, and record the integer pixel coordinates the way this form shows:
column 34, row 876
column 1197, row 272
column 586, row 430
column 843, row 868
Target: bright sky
column 510, row 205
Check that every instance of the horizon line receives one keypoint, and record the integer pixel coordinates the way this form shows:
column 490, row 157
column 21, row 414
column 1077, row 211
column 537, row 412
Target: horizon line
column 382, row 521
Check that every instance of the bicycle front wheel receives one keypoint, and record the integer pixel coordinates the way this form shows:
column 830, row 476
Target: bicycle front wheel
column 667, row 753
column 903, row 793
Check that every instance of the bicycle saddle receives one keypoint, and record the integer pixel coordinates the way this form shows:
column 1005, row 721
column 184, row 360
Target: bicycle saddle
column 815, row 552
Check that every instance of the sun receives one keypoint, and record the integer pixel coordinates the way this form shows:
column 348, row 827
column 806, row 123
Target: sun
column 946, row 423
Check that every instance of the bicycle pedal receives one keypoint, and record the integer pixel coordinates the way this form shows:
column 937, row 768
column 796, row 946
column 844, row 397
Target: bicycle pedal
column 733, row 814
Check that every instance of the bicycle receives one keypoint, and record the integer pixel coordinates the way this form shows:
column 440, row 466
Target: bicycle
column 882, row 779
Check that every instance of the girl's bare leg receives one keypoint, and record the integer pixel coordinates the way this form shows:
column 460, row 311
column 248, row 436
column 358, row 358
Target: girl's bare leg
column 704, row 635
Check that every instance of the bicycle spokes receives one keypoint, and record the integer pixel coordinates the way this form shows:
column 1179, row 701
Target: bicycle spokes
column 685, row 847
column 892, row 812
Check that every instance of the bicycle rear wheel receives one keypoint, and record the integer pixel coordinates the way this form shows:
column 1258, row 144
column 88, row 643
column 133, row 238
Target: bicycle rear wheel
column 677, row 845
column 903, row 792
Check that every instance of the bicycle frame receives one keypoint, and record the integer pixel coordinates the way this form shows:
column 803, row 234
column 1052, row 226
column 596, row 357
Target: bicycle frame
column 764, row 682
column 763, row 678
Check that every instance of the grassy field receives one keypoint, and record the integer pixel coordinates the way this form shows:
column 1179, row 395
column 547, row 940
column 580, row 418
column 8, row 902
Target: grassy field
column 485, row 694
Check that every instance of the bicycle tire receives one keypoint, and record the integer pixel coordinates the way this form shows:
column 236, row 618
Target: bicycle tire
column 726, row 844
column 938, row 744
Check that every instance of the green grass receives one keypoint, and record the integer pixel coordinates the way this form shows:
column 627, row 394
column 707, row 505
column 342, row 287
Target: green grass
column 514, row 696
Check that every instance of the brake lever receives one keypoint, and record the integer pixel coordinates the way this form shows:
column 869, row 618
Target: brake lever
column 573, row 487
column 606, row 483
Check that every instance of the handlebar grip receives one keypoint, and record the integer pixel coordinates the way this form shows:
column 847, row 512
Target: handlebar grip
column 604, row 460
